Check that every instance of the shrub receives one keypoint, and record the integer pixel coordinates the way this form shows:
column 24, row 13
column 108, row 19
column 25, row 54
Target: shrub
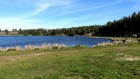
column 138, row 40
column 79, row 46
column 17, row 48
column 11, row 49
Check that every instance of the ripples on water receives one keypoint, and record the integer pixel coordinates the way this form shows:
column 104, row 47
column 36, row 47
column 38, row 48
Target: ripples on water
column 12, row 41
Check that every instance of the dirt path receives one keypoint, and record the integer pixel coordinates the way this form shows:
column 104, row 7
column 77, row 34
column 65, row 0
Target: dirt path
column 4, row 59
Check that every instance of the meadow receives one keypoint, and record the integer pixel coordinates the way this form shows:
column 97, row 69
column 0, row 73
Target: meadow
column 118, row 61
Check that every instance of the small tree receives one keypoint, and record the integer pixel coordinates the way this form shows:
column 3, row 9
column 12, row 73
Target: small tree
column 6, row 31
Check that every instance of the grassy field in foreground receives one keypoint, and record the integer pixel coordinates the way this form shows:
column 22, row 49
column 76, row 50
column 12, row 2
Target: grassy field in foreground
column 101, row 62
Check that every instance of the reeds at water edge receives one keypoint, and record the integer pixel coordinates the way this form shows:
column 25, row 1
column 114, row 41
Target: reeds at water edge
column 48, row 46
column 34, row 47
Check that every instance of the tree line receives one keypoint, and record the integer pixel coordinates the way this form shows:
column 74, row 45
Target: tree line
column 126, row 26
column 84, row 30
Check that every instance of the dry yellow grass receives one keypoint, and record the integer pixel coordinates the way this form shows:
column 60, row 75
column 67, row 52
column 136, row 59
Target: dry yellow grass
column 45, row 46
column 30, row 47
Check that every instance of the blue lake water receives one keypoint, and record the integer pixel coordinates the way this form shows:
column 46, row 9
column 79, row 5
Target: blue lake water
column 12, row 41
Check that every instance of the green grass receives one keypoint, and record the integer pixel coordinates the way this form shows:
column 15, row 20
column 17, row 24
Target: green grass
column 118, row 38
column 101, row 62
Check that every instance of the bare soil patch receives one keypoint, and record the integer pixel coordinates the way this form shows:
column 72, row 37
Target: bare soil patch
column 124, row 57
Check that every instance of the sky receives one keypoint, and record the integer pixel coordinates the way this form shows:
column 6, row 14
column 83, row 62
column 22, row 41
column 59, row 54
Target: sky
column 52, row 14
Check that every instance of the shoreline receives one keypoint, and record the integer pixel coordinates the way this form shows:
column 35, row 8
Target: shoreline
column 116, row 40
column 120, row 39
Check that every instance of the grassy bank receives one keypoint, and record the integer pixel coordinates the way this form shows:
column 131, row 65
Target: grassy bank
column 121, row 40
column 101, row 62
column 118, row 38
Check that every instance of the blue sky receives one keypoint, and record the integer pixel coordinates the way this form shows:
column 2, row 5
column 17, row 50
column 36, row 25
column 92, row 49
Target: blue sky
column 49, row 14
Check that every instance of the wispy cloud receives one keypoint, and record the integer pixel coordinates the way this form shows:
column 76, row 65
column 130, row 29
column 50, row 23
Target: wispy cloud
column 24, row 20
column 78, row 8
column 41, row 7
column 63, row 13
column 50, row 3
column 12, row 22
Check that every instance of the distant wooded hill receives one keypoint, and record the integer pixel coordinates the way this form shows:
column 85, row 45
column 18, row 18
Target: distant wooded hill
column 127, row 26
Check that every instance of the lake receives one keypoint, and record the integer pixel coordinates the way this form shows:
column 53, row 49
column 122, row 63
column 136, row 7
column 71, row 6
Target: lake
column 13, row 41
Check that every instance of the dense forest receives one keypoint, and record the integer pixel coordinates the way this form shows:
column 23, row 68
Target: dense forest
column 64, row 31
column 126, row 26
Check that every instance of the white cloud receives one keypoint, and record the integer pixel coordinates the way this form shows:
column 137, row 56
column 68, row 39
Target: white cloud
column 24, row 20
column 46, row 5
column 41, row 7
column 77, row 8
column 69, row 6
column 13, row 22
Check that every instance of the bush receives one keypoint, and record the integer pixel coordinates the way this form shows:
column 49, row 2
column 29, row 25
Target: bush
column 17, row 48
column 79, row 46
column 11, row 49
column 139, row 40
